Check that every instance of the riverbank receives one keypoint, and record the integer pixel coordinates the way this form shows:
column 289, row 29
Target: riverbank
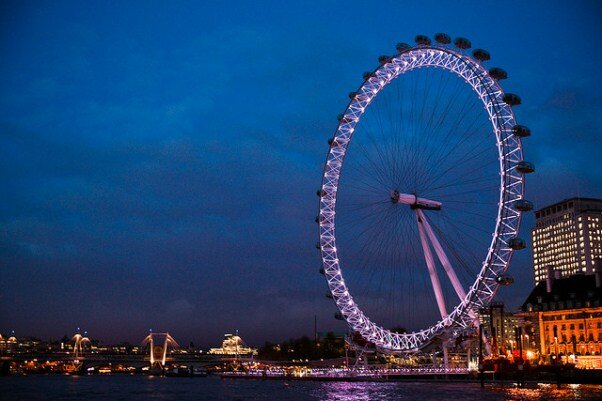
column 574, row 377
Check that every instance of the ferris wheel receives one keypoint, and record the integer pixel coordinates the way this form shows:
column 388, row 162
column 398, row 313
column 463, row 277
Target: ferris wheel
column 422, row 194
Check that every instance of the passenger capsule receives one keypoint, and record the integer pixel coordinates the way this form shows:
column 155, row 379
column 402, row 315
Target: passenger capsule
column 462, row 43
column 383, row 59
column 422, row 40
column 317, row 220
column 525, row 167
column 329, row 295
column 481, row 55
column 368, row 74
column 318, row 245
column 498, row 74
column 442, row 38
column 505, row 280
column 523, row 205
column 511, row 99
column 517, row 244
column 334, row 142
column 339, row 316
column 343, row 118
column 322, row 271
column 352, row 95
column 402, row 47
column 521, row 131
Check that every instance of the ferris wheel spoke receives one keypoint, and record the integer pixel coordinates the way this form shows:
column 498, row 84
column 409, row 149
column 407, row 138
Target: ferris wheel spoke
column 386, row 157
column 368, row 217
column 452, row 130
column 464, row 211
column 442, row 151
column 370, row 256
column 358, row 172
column 472, row 191
column 375, row 166
column 474, row 154
column 461, row 180
column 470, row 202
column 426, row 135
column 474, row 227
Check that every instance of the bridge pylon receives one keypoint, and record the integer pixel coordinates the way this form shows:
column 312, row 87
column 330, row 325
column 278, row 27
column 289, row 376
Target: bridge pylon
column 158, row 353
column 78, row 349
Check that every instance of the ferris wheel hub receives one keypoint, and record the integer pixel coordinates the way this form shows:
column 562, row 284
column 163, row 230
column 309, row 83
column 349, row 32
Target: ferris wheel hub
column 414, row 201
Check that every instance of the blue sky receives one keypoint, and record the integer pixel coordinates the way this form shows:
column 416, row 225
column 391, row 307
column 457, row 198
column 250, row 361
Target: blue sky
column 160, row 160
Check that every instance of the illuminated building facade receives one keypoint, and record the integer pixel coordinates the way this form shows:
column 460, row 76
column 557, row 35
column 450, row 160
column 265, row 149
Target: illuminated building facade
column 499, row 326
column 567, row 236
column 567, row 314
column 233, row 345
column 8, row 344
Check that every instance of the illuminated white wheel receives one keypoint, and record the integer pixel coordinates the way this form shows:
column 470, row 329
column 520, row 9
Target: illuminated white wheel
column 390, row 193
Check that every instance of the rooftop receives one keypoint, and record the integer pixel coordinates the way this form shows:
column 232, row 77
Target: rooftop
column 579, row 288
column 579, row 205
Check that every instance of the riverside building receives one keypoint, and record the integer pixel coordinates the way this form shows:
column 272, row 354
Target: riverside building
column 568, row 237
column 567, row 315
column 233, row 345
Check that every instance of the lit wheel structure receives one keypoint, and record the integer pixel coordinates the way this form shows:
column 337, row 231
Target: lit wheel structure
column 397, row 180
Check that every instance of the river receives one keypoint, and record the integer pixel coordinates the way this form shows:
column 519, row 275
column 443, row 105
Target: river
column 136, row 387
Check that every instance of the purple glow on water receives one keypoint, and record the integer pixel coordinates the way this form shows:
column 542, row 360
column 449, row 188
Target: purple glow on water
column 138, row 388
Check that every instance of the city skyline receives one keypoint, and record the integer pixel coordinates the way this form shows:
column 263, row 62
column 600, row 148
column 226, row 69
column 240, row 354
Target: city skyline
column 160, row 165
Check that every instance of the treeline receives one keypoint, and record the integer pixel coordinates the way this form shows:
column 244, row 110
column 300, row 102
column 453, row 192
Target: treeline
column 327, row 347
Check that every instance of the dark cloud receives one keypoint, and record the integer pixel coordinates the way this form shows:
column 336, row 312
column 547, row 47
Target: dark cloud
column 159, row 166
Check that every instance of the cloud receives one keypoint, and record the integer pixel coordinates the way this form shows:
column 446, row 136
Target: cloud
column 165, row 173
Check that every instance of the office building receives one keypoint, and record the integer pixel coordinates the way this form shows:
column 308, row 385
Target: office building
column 567, row 237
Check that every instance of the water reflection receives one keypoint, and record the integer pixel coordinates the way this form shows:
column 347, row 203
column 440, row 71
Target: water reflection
column 360, row 391
column 545, row 391
column 410, row 391
column 142, row 388
column 435, row 391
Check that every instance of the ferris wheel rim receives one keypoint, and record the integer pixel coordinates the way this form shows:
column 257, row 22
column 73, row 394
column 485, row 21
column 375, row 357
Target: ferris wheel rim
column 511, row 189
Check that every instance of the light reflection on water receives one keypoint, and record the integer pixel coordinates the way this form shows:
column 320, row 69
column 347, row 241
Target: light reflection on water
column 134, row 388
column 545, row 391
column 342, row 391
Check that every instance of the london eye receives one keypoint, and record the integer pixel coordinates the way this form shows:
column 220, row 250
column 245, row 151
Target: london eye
column 422, row 195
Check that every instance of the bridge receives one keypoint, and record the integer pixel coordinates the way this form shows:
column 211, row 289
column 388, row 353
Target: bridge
column 162, row 350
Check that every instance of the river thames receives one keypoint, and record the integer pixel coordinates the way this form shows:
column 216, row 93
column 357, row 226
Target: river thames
column 134, row 388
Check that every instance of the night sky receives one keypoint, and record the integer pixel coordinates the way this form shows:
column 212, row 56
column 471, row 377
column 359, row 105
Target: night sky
column 159, row 161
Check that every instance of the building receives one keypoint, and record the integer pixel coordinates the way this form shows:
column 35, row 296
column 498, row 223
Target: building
column 233, row 345
column 567, row 315
column 567, row 236
column 8, row 344
column 500, row 326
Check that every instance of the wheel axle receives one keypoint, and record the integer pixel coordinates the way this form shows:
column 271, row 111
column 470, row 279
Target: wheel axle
column 414, row 201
